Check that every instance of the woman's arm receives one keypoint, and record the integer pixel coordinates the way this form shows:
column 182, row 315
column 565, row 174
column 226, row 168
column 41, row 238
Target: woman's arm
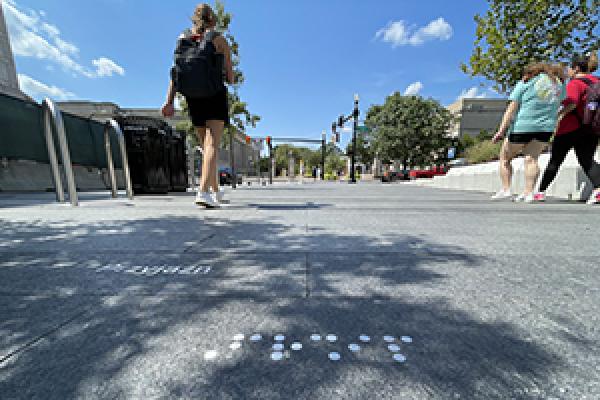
column 168, row 109
column 509, row 115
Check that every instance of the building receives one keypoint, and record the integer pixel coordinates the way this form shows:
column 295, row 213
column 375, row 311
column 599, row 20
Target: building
column 8, row 72
column 476, row 115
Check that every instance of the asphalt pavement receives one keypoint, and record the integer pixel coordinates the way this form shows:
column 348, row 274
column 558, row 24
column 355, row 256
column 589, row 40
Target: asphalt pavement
column 314, row 291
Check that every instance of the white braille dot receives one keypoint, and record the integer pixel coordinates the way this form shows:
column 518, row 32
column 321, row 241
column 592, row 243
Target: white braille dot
column 389, row 338
column 400, row 357
column 276, row 356
column 278, row 346
column 331, row 338
column 210, row 355
column 406, row 339
column 296, row 346
column 365, row 338
column 334, row 356
column 315, row 337
column 235, row 345
column 394, row 348
column 239, row 337
column 256, row 337
column 353, row 347
column 279, row 338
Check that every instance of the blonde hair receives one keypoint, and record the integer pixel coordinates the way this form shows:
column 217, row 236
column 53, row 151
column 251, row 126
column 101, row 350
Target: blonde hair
column 556, row 72
column 203, row 18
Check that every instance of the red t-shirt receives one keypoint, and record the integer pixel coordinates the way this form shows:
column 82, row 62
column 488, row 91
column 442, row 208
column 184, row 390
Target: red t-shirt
column 575, row 95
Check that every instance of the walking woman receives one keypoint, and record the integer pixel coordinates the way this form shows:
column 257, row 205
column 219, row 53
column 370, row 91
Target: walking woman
column 570, row 133
column 532, row 112
column 206, row 53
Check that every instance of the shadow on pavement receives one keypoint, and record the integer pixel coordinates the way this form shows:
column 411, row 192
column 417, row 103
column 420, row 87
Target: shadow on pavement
column 144, row 336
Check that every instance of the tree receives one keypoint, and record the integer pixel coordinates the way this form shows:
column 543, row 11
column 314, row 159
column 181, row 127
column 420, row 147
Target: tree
column 364, row 151
column 238, row 109
column 410, row 129
column 513, row 34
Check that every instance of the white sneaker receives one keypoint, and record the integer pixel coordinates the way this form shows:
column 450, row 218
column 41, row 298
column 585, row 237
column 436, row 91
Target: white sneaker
column 502, row 195
column 530, row 198
column 594, row 198
column 219, row 196
column 205, row 199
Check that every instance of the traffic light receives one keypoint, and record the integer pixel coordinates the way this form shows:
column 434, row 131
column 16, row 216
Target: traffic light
column 333, row 128
column 248, row 139
column 341, row 121
column 337, row 137
column 268, row 140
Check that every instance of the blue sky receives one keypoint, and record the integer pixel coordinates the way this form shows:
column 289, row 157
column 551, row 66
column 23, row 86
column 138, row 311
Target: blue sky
column 303, row 60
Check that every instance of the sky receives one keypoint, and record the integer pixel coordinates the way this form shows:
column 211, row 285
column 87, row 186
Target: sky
column 303, row 60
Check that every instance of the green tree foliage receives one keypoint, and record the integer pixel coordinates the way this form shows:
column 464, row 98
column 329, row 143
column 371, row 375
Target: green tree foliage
column 240, row 116
column 513, row 34
column 364, row 150
column 410, row 129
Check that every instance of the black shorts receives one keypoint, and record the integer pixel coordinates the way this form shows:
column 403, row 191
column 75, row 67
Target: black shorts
column 526, row 137
column 214, row 108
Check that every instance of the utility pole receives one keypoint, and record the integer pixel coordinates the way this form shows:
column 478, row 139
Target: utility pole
column 355, row 115
column 323, row 153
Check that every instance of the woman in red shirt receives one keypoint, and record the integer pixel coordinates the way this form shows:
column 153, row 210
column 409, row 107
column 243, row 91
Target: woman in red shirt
column 570, row 133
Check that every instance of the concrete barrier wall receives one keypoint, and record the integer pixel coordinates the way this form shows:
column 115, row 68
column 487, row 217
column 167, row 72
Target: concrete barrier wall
column 570, row 183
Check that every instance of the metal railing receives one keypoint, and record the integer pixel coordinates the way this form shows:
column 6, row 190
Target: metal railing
column 112, row 124
column 53, row 116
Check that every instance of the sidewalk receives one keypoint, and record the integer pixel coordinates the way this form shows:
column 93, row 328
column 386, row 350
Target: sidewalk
column 157, row 298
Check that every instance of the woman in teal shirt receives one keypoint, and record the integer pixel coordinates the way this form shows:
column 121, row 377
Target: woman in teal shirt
column 531, row 116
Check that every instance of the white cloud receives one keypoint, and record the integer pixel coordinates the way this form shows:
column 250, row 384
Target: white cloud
column 37, row 89
column 399, row 33
column 472, row 93
column 107, row 67
column 33, row 37
column 413, row 89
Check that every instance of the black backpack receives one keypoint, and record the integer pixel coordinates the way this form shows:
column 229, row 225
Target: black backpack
column 198, row 70
column 591, row 110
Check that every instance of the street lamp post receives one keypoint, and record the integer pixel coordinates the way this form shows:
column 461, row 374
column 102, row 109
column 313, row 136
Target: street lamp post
column 323, row 150
column 355, row 115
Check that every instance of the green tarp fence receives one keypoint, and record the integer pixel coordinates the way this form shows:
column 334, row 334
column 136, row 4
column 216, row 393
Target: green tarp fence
column 22, row 135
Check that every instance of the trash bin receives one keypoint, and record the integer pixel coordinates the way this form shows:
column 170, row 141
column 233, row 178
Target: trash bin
column 146, row 140
column 178, row 166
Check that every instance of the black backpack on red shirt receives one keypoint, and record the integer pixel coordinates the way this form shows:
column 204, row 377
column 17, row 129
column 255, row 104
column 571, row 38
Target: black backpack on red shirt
column 591, row 112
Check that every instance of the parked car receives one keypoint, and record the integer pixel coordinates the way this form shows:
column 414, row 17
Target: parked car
column 226, row 177
column 428, row 173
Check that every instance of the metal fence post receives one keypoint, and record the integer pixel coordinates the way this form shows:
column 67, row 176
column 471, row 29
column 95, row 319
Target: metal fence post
column 123, row 148
column 109, row 161
column 64, row 147
column 60, row 194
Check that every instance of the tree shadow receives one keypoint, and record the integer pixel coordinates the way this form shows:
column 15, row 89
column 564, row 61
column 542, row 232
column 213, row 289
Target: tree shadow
column 73, row 328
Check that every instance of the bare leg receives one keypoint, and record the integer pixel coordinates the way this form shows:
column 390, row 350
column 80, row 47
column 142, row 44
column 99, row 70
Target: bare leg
column 213, row 136
column 532, row 170
column 507, row 153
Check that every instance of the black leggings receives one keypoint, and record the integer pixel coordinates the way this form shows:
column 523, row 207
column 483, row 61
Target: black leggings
column 585, row 145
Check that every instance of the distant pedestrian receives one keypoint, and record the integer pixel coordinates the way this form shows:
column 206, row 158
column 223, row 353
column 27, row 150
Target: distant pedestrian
column 529, row 121
column 202, row 64
column 314, row 173
column 570, row 133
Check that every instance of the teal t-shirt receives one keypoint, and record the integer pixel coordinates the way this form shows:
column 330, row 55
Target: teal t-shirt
column 539, row 101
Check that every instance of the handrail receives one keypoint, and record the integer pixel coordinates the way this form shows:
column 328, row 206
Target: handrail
column 54, row 116
column 121, row 138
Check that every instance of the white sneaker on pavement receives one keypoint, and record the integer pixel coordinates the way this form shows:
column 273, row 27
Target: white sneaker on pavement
column 502, row 195
column 205, row 199
column 594, row 198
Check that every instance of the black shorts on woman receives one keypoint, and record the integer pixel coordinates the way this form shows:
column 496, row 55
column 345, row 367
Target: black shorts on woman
column 214, row 108
column 527, row 137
